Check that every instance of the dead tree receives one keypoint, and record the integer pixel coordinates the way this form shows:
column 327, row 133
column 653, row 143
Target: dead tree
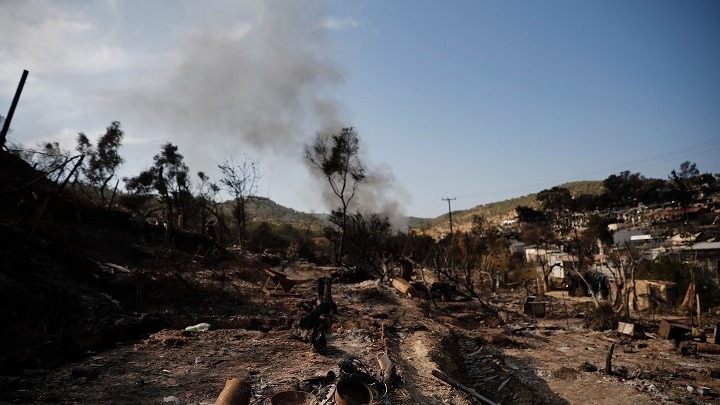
column 240, row 179
column 577, row 267
column 404, row 263
column 469, row 288
column 626, row 262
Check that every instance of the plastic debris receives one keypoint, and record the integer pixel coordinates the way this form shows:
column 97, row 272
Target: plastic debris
column 201, row 327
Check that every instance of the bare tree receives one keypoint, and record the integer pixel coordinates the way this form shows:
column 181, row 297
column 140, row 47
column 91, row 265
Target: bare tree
column 625, row 260
column 240, row 180
column 368, row 239
column 476, row 252
column 335, row 155
column 540, row 234
column 577, row 265
column 48, row 157
column 206, row 191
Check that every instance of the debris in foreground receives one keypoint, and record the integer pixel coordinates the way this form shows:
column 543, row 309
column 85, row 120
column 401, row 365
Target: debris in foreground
column 671, row 330
column 453, row 383
column 234, row 393
column 201, row 327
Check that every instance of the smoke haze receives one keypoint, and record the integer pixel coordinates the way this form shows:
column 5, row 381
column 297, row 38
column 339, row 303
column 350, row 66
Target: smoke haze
column 263, row 81
column 224, row 79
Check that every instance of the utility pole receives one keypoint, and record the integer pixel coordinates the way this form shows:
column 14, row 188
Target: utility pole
column 6, row 124
column 450, row 212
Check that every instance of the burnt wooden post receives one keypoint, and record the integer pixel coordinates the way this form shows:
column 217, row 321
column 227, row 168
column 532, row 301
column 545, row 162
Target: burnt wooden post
column 113, row 197
column 6, row 124
column 608, row 360
column 312, row 327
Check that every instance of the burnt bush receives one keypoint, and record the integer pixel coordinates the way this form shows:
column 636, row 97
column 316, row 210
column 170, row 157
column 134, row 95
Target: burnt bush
column 601, row 318
column 290, row 242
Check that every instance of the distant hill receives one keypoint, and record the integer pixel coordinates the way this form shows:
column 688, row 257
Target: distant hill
column 263, row 209
column 498, row 211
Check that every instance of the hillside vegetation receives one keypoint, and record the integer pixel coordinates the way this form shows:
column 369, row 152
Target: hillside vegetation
column 497, row 212
column 262, row 209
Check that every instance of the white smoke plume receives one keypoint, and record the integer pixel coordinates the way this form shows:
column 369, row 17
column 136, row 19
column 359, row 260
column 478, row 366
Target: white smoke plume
column 382, row 194
column 225, row 78
column 378, row 193
column 260, row 78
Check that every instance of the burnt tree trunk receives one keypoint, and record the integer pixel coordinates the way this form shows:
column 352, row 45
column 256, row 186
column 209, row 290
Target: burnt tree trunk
column 312, row 327
column 608, row 360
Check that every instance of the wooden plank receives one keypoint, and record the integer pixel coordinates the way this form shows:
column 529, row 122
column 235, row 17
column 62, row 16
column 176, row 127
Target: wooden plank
column 404, row 287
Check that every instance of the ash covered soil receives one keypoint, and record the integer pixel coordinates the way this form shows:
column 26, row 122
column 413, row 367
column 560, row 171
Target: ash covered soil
column 146, row 357
column 94, row 306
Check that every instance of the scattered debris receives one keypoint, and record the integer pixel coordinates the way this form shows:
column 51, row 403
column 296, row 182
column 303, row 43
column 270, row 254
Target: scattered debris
column 652, row 293
column 387, row 368
column 715, row 337
column 404, row 287
column 351, row 391
column 709, row 348
column 453, row 383
column 534, row 308
column 352, row 368
column 673, row 331
column 700, row 390
column 117, row 267
column 447, row 292
column 201, row 327
column 687, row 349
column 234, row 393
column 292, row 398
column 313, row 326
column 626, row 328
column 171, row 400
column 504, row 383
column 278, row 285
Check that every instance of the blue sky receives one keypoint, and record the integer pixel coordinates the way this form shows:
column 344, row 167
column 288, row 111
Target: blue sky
column 480, row 100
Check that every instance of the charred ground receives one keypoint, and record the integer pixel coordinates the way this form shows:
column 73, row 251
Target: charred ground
column 86, row 287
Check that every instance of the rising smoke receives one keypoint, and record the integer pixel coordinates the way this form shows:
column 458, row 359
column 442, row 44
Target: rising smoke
column 262, row 78
column 249, row 77
column 261, row 81
column 382, row 193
